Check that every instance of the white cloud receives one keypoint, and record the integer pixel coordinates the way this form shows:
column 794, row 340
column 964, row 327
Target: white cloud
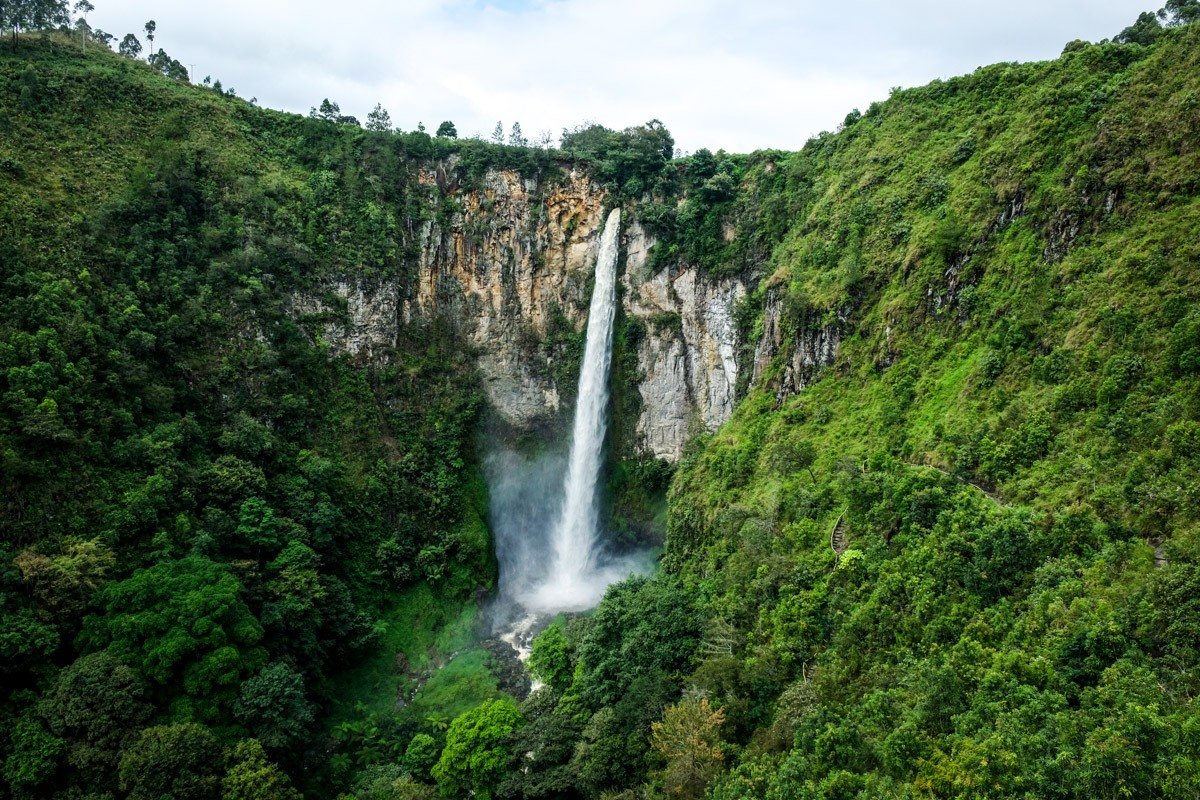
column 719, row 73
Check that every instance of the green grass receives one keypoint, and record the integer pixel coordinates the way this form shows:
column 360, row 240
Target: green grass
column 459, row 686
column 422, row 625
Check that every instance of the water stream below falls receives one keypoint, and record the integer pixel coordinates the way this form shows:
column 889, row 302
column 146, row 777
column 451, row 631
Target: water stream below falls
column 548, row 530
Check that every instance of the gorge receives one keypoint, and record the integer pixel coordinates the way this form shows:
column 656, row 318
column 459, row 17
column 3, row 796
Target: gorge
column 897, row 435
column 511, row 269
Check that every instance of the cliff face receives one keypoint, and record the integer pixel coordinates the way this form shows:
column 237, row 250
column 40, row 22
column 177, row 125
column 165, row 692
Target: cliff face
column 510, row 265
column 808, row 347
column 513, row 260
column 688, row 357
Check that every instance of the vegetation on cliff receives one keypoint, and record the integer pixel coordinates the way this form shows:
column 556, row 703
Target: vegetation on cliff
column 207, row 513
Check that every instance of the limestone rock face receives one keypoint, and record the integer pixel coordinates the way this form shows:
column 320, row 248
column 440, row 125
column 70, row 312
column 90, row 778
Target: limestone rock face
column 772, row 336
column 518, row 253
column 688, row 357
column 369, row 324
column 809, row 348
column 514, row 259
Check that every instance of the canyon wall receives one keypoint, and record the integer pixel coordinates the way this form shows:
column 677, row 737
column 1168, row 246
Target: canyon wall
column 511, row 268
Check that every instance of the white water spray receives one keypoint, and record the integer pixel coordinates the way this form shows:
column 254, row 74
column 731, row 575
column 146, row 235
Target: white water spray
column 574, row 578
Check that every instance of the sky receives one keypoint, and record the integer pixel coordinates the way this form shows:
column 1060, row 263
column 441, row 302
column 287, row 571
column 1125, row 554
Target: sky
column 732, row 74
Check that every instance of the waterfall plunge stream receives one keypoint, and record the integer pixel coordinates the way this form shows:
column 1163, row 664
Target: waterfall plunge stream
column 569, row 581
column 547, row 528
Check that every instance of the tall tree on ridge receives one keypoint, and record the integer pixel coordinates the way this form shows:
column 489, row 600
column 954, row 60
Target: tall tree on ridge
column 83, row 7
column 130, row 46
column 151, row 26
column 23, row 15
column 1180, row 12
column 379, row 120
column 516, row 138
column 328, row 111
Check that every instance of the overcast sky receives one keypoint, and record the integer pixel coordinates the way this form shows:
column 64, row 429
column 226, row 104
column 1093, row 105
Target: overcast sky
column 733, row 74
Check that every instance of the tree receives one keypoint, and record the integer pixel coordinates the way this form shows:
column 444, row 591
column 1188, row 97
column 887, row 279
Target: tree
column 379, row 120
column 550, row 659
column 259, row 529
column 516, row 138
column 1144, row 31
column 642, row 629
column 498, row 133
column 24, row 640
column 613, row 745
column 64, row 583
column 541, row 751
column 273, row 706
column 32, row 758
column 447, row 130
column 252, row 776
column 151, row 27
column 630, row 159
column 610, row 754
column 476, row 753
column 687, row 740
column 792, row 456
column 328, row 111
column 183, row 762
column 388, row 782
column 701, row 165
column 421, row 755
column 169, row 66
column 20, row 15
column 13, row 16
column 298, row 606
column 1180, row 12
column 130, row 46
column 83, row 8
column 96, row 705
column 182, row 624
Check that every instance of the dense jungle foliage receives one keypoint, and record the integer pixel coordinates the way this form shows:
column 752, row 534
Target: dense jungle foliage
column 957, row 559
column 206, row 517
column 963, row 562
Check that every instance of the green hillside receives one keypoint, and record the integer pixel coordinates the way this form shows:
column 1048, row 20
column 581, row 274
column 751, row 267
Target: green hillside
column 1003, row 453
column 946, row 547
column 207, row 516
column 1006, row 446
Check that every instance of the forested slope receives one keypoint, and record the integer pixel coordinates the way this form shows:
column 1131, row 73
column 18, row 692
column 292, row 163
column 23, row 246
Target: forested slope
column 205, row 510
column 947, row 546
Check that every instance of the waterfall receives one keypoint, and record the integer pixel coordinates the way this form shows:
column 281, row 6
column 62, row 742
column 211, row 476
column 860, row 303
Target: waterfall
column 572, row 579
column 545, row 513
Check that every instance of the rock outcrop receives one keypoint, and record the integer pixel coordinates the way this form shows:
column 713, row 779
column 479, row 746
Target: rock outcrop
column 518, row 253
column 688, row 357
column 360, row 317
column 808, row 348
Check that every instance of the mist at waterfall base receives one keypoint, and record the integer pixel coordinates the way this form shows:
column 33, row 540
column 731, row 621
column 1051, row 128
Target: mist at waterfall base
column 545, row 509
column 526, row 494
